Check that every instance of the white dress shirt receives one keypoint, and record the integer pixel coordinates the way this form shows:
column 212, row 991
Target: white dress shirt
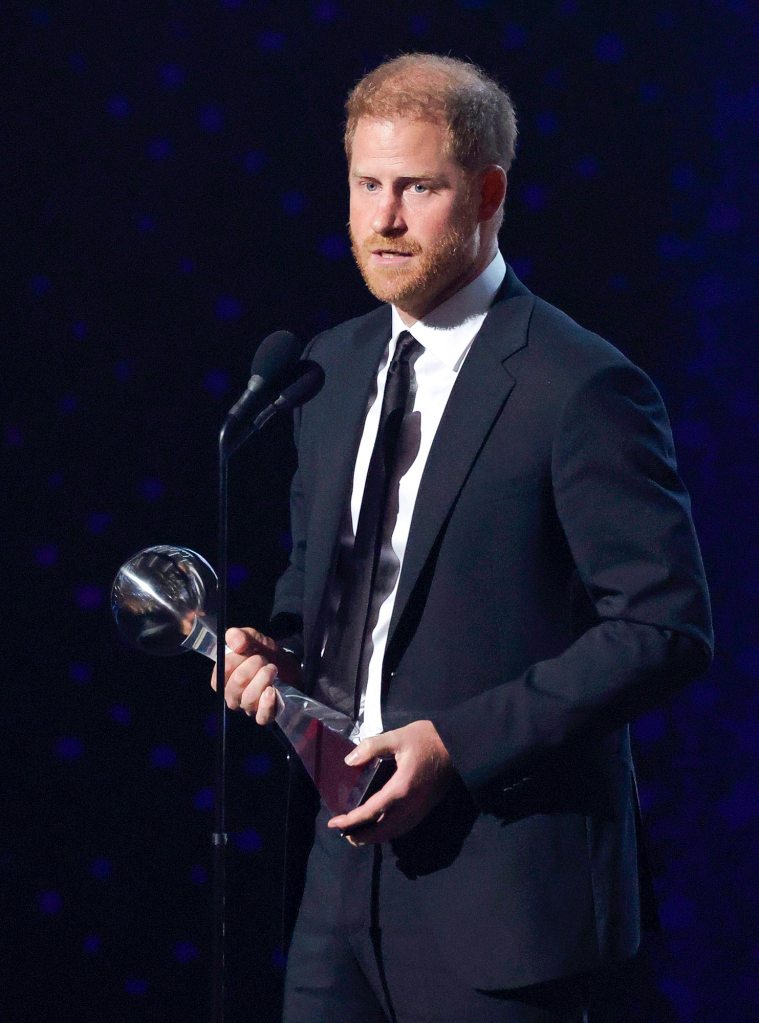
column 446, row 336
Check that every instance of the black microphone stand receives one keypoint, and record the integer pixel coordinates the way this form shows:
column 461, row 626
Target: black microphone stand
column 232, row 435
column 220, row 838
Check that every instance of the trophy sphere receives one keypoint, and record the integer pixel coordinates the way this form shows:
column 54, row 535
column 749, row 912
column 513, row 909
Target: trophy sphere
column 159, row 595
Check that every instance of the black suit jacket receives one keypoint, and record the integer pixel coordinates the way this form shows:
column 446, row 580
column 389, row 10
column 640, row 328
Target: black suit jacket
column 551, row 588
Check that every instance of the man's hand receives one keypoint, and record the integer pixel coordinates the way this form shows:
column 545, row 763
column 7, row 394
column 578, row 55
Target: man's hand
column 251, row 668
column 423, row 774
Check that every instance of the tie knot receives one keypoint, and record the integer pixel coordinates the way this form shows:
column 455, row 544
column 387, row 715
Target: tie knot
column 407, row 344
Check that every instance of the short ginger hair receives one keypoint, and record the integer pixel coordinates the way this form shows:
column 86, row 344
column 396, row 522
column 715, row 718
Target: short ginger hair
column 477, row 113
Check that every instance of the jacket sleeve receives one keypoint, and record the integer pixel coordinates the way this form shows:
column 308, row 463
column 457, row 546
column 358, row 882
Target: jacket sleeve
column 626, row 518
column 286, row 624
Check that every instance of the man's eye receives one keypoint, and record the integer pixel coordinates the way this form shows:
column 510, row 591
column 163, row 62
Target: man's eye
column 370, row 186
column 419, row 189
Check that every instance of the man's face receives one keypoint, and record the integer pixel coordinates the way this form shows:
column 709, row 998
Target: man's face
column 413, row 215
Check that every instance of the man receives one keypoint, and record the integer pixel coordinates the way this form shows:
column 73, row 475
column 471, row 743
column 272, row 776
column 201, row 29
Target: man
column 492, row 587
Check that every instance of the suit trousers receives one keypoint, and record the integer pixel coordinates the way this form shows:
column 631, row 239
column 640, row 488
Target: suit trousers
column 363, row 953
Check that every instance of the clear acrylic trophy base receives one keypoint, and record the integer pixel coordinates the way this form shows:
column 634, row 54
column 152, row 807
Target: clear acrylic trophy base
column 322, row 737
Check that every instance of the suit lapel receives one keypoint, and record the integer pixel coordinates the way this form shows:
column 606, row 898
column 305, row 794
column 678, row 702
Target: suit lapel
column 480, row 392
column 349, row 384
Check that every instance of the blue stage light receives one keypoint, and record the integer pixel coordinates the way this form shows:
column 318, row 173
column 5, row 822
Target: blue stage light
column 671, row 248
column 652, row 727
column 198, row 874
column 121, row 714
column 684, row 177
column 98, row 522
column 163, row 756
column 325, row 10
column 101, row 868
column 253, row 161
column 80, row 673
column 650, row 91
column 514, row 37
column 204, row 799
column 185, row 952
column 334, row 246
column 216, row 382
column 534, row 197
column 257, row 764
column 136, row 986
column 123, row 371
column 270, row 41
column 587, row 167
column 118, row 106
column 88, row 596
column 69, row 747
column 40, row 285
column 547, row 123
column 293, row 203
column 160, row 149
column 237, row 574
column 151, row 488
column 211, row 118
column 247, row 841
column 50, row 902
column 40, row 16
column 172, row 76
column 523, row 267
column 610, row 48
column 740, row 807
column 46, row 555
column 747, row 662
column 228, row 308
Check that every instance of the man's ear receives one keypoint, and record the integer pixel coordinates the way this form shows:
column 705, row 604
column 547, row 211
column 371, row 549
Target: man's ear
column 492, row 191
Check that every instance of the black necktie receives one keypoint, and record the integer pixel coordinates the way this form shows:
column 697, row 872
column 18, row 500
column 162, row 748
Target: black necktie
column 341, row 662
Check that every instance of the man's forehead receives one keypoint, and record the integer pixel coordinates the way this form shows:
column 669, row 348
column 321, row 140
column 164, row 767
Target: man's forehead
column 393, row 123
column 410, row 137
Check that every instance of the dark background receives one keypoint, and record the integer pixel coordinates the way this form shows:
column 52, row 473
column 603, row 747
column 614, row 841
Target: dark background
column 176, row 188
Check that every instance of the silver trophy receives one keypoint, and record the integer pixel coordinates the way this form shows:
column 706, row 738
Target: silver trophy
column 164, row 603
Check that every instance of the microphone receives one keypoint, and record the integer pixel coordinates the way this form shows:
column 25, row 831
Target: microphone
column 309, row 383
column 274, row 358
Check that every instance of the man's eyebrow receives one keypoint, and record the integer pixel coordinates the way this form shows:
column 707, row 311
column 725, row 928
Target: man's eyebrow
column 424, row 176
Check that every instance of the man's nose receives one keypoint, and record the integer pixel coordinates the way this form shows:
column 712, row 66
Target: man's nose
column 388, row 215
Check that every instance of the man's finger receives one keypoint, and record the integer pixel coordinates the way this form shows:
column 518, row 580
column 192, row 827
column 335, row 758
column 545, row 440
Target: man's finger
column 383, row 828
column 371, row 834
column 370, row 812
column 267, row 707
column 245, row 671
column 232, row 662
column 259, row 682
column 242, row 641
column 382, row 745
column 247, row 640
column 238, row 678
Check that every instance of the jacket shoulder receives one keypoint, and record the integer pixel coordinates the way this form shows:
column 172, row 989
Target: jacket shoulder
column 556, row 337
column 333, row 339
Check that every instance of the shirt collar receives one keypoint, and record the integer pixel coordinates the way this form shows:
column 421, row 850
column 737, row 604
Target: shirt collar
column 449, row 329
